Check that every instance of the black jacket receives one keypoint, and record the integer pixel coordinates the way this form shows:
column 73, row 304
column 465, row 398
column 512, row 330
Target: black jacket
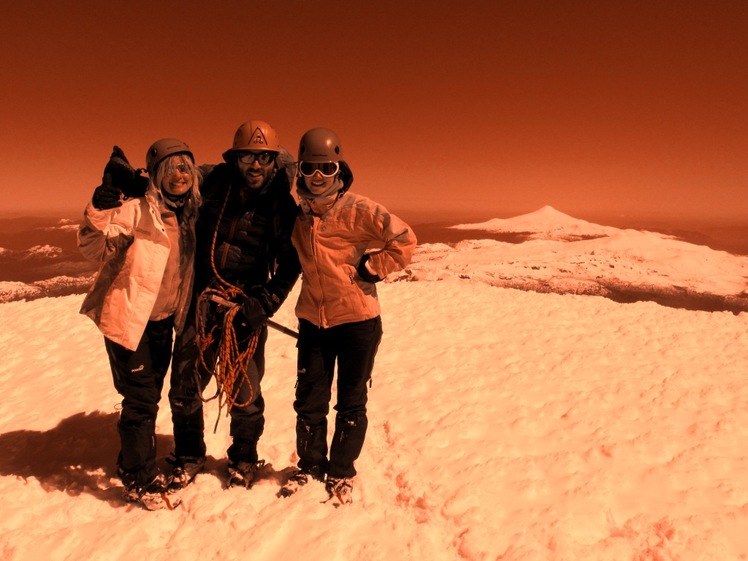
column 245, row 236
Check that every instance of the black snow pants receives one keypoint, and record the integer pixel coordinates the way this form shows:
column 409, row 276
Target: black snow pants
column 139, row 378
column 354, row 347
column 188, row 380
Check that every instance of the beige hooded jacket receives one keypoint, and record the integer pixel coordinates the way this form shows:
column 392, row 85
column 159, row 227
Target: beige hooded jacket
column 147, row 267
column 330, row 247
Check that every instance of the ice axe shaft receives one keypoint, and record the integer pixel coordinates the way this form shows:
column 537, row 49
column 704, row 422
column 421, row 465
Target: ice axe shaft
column 275, row 325
column 282, row 328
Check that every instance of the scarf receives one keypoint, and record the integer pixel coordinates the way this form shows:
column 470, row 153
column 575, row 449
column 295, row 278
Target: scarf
column 323, row 202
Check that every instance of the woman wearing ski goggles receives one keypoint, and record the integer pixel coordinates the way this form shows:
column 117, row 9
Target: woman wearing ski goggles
column 338, row 309
column 321, row 180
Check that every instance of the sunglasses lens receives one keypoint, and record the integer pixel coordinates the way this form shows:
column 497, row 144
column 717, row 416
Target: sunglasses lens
column 327, row 169
column 179, row 168
column 264, row 158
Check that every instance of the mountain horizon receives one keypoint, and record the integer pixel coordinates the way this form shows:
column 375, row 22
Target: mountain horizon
column 545, row 250
column 546, row 223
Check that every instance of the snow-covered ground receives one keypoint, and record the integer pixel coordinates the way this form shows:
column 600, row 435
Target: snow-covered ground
column 504, row 424
column 570, row 256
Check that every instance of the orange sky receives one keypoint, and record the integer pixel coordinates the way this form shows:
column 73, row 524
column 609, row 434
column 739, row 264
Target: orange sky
column 488, row 107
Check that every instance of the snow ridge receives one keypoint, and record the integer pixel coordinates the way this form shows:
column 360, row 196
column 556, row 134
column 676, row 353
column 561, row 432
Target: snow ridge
column 569, row 256
column 544, row 223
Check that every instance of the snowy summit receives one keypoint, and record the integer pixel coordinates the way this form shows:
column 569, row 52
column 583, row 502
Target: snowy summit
column 546, row 223
column 570, row 256
column 504, row 424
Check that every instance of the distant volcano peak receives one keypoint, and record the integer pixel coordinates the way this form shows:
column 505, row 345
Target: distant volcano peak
column 546, row 222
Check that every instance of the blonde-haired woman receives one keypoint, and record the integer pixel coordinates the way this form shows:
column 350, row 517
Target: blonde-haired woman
column 142, row 231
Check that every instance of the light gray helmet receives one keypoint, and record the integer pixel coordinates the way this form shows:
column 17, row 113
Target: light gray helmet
column 320, row 145
column 253, row 135
column 162, row 149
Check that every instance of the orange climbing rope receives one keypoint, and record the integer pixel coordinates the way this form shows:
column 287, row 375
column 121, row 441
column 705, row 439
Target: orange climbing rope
column 231, row 361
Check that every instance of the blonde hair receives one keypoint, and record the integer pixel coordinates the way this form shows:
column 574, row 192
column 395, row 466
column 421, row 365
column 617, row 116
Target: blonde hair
column 194, row 199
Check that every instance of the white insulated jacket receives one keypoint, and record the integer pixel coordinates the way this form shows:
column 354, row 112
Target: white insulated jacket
column 330, row 247
column 147, row 267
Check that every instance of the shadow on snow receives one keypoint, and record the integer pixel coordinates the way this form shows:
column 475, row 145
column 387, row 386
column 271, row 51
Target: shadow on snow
column 79, row 456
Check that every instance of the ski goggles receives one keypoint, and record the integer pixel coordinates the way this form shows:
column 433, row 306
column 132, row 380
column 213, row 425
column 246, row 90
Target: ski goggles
column 264, row 158
column 327, row 169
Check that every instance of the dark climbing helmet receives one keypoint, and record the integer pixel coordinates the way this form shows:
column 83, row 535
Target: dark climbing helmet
column 162, row 149
column 320, row 145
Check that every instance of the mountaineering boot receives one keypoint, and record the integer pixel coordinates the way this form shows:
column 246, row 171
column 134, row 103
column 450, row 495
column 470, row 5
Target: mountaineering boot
column 244, row 474
column 298, row 479
column 152, row 496
column 340, row 488
column 184, row 469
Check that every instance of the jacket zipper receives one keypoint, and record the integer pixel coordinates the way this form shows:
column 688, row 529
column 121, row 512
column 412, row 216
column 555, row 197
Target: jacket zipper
column 312, row 236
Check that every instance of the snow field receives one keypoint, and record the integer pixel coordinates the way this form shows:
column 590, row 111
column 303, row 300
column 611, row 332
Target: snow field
column 502, row 425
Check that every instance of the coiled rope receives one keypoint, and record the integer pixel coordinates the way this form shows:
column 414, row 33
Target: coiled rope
column 231, row 363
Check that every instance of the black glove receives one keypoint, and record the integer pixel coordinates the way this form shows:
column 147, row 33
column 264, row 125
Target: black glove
column 106, row 196
column 364, row 273
column 254, row 313
column 269, row 301
column 124, row 176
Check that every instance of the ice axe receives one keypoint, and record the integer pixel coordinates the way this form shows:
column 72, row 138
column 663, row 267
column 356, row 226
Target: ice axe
column 275, row 325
